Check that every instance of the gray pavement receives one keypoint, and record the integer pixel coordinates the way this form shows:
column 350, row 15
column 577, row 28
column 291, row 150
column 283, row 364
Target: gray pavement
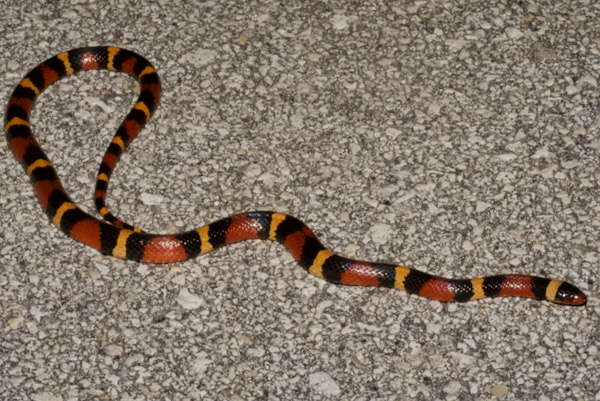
column 461, row 138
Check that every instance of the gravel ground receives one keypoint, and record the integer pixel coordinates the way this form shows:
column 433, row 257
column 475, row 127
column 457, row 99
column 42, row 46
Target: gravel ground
column 462, row 138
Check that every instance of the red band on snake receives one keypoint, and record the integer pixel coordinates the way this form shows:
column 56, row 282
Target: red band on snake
column 114, row 237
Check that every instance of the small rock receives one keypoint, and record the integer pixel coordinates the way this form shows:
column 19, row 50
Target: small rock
column 588, row 79
column 188, row 300
column 151, row 199
column 514, row 33
column 482, row 207
column 339, row 22
column 200, row 365
column 393, row 132
column 14, row 323
column 468, row 245
column 94, row 274
column 381, row 233
column 46, row 396
column 456, row 44
column 198, row 57
column 114, row 350
column 323, row 383
column 499, row 390
column 178, row 279
column 453, row 387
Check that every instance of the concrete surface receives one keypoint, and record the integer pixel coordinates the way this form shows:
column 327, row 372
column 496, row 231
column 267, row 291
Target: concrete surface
column 462, row 138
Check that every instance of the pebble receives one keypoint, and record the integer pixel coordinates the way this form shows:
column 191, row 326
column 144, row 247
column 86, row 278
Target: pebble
column 381, row 233
column 16, row 322
column 339, row 22
column 499, row 390
column 514, row 33
column 199, row 57
column 323, row 383
column 151, row 199
column 188, row 300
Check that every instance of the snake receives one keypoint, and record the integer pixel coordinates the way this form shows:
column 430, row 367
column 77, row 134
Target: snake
column 112, row 236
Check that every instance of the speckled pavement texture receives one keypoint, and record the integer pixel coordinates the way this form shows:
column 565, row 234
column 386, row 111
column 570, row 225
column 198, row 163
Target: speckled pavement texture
column 462, row 138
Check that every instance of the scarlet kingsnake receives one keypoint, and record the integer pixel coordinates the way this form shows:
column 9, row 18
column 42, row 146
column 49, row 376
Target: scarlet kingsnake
column 122, row 240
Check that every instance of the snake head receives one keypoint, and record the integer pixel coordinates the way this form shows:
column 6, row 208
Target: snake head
column 568, row 294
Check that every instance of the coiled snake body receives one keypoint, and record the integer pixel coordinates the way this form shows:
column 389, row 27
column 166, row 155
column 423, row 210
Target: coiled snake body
column 114, row 237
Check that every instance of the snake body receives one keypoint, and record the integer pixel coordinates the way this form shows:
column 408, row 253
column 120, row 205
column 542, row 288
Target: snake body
column 114, row 237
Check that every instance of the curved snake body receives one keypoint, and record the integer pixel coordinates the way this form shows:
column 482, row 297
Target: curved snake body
column 114, row 237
